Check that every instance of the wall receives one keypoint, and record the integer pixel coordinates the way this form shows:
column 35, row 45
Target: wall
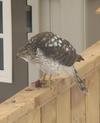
column 65, row 17
column 20, row 77
column 72, row 22
column 93, row 22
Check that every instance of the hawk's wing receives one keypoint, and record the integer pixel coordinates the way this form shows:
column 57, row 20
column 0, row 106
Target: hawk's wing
column 56, row 48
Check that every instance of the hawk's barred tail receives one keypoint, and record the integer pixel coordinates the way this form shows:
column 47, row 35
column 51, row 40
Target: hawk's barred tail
column 79, row 81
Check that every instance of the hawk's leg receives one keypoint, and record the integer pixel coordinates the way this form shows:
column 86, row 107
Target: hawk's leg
column 43, row 80
column 50, row 80
column 46, row 82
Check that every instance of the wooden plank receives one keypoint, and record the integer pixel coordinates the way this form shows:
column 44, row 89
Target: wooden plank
column 31, row 117
column 78, row 106
column 36, row 117
column 93, row 98
column 63, row 108
column 19, row 105
column 49, row 112
column 56, row 89
column 89, row 63
column 23, row 119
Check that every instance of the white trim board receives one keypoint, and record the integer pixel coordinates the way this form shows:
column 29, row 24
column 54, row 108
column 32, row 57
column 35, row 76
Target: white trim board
column 33, row 69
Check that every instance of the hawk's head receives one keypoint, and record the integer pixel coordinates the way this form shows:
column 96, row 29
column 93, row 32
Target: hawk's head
column 25, row 52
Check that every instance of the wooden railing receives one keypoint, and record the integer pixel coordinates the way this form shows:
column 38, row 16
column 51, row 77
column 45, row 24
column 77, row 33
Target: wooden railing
column 64, row 102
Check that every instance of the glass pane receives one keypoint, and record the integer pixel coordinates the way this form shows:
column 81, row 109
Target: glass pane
column 29, row 18
column 1, row 55
column 1, row 24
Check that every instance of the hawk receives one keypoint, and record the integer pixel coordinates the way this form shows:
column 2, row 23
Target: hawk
column 54, row 54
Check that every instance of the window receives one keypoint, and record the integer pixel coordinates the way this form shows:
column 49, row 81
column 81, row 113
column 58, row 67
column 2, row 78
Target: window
column 5, row 41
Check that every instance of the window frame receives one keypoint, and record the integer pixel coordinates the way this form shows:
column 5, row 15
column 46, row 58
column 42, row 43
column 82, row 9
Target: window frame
column 6, row 74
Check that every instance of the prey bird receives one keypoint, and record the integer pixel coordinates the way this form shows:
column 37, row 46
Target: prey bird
column 54, row 54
